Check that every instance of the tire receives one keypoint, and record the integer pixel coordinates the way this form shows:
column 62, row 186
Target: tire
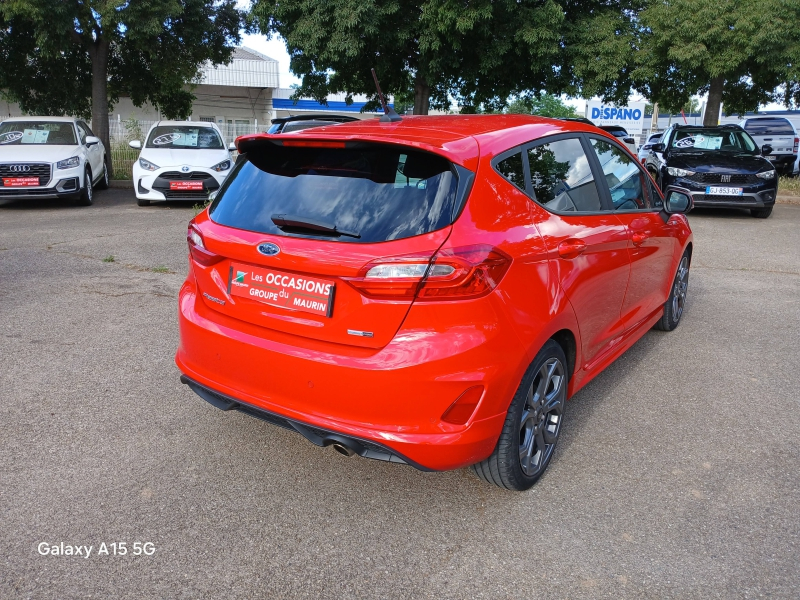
column 761, row 213
column 532, row 424
column 87, row 193
column 676, row 303
column 103, row 183
column 142, row 202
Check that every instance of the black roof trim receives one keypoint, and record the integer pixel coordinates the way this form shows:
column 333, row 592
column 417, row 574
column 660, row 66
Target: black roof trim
column 332, row 118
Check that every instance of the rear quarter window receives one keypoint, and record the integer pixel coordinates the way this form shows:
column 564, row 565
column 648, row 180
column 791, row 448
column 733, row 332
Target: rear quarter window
column 380, row 192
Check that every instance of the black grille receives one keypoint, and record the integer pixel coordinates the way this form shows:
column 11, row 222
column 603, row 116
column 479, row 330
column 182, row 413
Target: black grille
column 717, row 178
column 185, row 195
column 21, row 191
column 726, row 199
column 40, row 170
column 173, row 175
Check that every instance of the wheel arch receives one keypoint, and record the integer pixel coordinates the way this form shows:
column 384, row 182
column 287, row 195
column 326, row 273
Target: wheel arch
column 569, row 344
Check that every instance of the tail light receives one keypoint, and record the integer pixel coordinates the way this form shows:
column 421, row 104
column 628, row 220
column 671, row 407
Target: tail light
column 796, row 142
column 197, row 248
column 460, row 273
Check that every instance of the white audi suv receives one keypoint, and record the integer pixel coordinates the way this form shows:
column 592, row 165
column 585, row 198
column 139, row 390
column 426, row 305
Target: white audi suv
column 50, row 157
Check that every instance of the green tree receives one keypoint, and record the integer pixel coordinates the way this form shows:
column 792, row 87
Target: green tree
column 544, row 105
column 479, row 53
column 738, row 51
column 101, row 49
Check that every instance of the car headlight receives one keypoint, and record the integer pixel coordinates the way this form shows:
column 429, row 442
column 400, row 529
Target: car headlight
column 675, row 172
column 222, row 166
column 767, row 174
column 147, row 165
column 69, row 163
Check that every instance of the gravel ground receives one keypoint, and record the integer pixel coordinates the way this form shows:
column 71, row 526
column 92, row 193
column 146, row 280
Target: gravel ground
column 676, row 475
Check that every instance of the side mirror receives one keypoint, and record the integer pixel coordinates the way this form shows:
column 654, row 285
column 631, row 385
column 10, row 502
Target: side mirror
column 677, row 200
column 232, row 147
column 766, row 150
column 91, row 140
column 658, row 147
column 135, row 144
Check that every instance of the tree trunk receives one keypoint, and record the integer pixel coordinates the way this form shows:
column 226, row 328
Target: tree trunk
column 422, row 95
column 711, row 118
column 98, row 52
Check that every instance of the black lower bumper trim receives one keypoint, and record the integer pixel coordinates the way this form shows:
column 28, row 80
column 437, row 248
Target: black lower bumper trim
column 314, row 434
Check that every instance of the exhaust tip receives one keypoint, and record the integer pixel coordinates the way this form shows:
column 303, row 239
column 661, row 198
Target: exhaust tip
column 342, row 449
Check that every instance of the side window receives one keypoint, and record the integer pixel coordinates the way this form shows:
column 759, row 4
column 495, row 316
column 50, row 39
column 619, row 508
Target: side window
column 511, row 169
column 561, row 177
column 625, row 179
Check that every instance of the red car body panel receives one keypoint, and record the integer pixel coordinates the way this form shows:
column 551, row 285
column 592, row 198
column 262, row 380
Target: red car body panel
column 393, row 388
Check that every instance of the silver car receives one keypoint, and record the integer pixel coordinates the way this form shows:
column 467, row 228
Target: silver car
column 645, row 148
column 780, row 134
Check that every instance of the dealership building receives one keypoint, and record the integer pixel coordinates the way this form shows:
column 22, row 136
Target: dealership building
column 241, row 97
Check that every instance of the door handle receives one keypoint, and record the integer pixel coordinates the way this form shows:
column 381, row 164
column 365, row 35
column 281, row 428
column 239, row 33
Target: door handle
column 639, row 237
column 571, row 248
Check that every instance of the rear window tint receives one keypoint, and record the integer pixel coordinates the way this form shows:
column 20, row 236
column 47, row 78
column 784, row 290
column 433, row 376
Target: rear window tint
column 511, row 169
column 379, row 192
column 768, row 127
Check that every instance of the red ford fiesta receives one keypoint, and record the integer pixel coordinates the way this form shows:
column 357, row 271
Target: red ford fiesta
column 428, row 291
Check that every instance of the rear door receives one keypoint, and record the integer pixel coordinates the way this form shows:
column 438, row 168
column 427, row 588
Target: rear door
column 587, row 242
column 650, row 240
column 284, row 269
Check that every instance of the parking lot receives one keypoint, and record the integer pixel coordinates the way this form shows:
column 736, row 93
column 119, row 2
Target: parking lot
column 676, row 474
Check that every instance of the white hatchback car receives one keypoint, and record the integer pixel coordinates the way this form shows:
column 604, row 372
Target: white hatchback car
column 50, row 157
column 181, row 160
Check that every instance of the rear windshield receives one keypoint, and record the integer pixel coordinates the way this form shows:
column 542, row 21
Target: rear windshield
column 185, row 138
column 768, row 127
column 379, row 193
column 43, row 133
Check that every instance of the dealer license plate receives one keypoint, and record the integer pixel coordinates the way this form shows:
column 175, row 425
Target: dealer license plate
column 723, row 191
column 186, row 185
column 278, row 288
column 20, row 181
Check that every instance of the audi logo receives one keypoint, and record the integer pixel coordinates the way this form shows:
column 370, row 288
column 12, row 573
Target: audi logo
column 19, row 168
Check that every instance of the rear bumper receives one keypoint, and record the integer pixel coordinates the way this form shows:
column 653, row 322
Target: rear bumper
column 389, row 400
column 315, row 435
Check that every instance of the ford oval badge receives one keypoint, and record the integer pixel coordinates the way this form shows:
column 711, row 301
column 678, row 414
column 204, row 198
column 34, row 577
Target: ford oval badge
column 268, row 249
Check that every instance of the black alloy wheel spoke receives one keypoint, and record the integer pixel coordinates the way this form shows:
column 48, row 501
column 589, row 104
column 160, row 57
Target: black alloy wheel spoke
column 541, row 417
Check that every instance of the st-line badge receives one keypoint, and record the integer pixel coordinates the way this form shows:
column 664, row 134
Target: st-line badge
column 278, row 288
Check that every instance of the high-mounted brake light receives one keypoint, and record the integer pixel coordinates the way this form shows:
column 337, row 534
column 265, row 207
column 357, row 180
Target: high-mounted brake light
column 312, row 144
column 197, row 248
column 453, row 274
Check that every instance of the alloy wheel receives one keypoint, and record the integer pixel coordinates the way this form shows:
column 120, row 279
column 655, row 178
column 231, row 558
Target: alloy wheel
column 542, row 413
column 680, row 288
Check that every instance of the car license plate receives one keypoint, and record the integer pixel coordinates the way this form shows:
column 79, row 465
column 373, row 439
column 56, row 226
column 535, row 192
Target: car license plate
column 723, row 191
column 278, row 288
column 186, row 185
column 20, row 181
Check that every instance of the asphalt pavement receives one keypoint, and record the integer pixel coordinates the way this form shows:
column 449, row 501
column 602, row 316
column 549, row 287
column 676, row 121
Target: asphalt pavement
column 676, row 475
